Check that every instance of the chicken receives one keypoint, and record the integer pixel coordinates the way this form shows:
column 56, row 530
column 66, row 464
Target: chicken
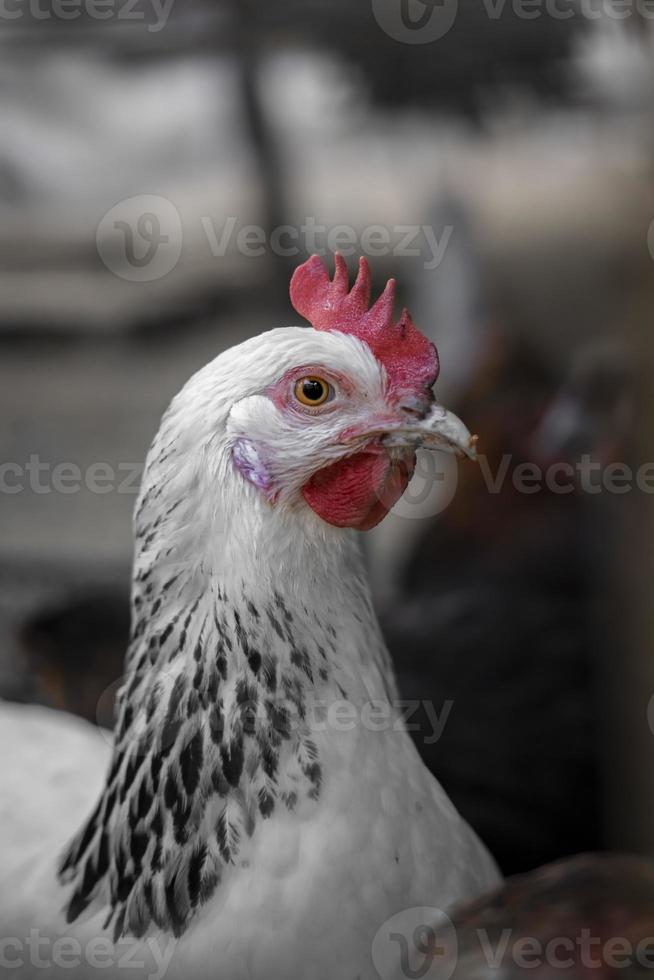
column 587, row 916
column 264, row 809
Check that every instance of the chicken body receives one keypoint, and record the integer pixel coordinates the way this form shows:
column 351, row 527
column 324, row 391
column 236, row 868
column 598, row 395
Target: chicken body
column 591, row 915
column 265, row 811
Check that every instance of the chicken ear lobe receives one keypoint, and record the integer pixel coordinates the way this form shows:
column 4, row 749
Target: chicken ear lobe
column 248, row 461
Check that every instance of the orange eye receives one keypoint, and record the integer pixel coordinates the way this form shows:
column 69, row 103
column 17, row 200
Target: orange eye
column 312, row 391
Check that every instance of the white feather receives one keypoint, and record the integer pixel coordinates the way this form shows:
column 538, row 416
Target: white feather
column 310, row 888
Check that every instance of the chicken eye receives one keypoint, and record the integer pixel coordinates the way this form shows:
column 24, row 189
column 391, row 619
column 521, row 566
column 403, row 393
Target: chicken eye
column 312, row 391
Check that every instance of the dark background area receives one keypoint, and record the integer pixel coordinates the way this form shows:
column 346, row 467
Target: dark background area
column 525, row 145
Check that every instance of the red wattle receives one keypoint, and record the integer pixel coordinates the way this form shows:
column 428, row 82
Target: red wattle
column 358, row 491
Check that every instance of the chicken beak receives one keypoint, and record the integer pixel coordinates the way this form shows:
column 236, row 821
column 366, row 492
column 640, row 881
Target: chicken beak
column 439, row 431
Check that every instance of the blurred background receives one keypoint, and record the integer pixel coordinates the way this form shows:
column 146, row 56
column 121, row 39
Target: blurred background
column 165, row 164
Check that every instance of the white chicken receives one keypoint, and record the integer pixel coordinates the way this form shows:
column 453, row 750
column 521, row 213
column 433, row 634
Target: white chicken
column 264, row 810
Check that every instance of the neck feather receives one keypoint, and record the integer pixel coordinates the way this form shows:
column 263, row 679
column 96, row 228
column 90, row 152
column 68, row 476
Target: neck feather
column 244, row 619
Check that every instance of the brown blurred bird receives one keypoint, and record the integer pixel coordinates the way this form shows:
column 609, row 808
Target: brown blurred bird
column 590, row 916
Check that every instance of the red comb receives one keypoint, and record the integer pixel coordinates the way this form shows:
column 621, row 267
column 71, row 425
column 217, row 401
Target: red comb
column 410, row 359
